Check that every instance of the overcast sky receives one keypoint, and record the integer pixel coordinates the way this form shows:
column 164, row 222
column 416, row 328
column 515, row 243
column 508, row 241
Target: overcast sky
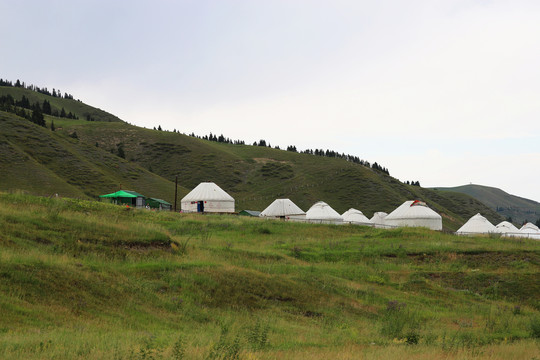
column 444, row 92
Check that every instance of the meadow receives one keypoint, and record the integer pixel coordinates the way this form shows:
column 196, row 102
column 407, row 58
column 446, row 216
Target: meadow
column 87, row 280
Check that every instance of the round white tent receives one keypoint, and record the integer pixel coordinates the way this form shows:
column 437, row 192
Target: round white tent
column 283, row 209
column 530, row 226
column 477, row 225
column 208, row 197
column 507, row 229
column 378, row 219
column 322, row 213
column 353, row 216
column 415, row 214
column 530, row 231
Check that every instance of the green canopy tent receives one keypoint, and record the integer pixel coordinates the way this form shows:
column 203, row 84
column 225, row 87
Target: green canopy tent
column 126, row 197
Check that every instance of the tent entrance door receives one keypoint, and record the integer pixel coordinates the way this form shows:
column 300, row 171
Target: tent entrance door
column 200, row 206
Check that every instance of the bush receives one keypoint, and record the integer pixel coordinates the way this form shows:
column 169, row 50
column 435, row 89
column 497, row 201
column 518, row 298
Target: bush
column 535, row 327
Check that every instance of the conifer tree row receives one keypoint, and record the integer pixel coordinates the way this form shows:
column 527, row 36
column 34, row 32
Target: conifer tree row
column 55, row 92
column 316, row 152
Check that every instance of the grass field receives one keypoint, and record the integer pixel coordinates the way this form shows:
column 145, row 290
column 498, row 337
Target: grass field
column 86, row 280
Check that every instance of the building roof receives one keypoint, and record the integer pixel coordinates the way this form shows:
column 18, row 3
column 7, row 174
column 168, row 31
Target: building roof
column 322, row 211
column 355, row 216
column 506, row 227
column 207, row 191
column 122, row 194
column 249, row 212
column 412, row 210
column 529, row 228
column 282, row 207
column 161, row 201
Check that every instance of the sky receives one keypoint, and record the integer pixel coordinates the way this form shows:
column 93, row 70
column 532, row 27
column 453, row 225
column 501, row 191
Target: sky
column 442, row 92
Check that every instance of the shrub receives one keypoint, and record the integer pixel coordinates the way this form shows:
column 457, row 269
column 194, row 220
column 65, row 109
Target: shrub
column 535, row 327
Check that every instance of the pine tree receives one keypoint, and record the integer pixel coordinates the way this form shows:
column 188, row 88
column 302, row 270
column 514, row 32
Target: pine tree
column 52, row 126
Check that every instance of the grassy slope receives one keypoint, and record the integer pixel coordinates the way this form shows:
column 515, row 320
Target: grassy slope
column 84, row 280
column 43, row 162
column 519, row 209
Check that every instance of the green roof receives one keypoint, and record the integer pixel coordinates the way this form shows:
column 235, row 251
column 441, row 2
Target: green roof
column 161, row 201
column 122, row 194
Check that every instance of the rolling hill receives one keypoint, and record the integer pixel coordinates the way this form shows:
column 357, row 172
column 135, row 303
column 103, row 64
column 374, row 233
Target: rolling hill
column 45, row 162
column 519, row 209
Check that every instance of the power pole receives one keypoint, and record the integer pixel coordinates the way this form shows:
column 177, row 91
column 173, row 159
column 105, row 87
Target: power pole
column 175, row 191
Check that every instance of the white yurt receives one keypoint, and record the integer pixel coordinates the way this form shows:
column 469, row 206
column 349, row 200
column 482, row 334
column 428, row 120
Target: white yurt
column 529, row 227
column 356, row 217
column 477, row 225
column 208, row 197
column 506, row 228
column 283, row 209
column 415, row 214
column 322, row 213
column 530, row 231
column 378, row 219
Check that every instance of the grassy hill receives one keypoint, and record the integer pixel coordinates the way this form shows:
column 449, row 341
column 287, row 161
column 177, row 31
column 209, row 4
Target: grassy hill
column 507, row 205
column 86, row 280
column 43, row 162
column 253, row 175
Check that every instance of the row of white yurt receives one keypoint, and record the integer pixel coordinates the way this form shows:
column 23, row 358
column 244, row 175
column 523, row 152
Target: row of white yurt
column 410, row 213
column 209, row 197
column 480, row 225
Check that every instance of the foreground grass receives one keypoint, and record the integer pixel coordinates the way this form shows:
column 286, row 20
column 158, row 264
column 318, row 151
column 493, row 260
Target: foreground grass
column 84, row 280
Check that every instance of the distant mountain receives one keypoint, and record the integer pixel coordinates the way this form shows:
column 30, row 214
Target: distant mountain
column 107, row 154
column 507, row 205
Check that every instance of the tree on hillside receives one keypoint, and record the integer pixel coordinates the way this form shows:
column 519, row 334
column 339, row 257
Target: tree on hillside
column 120, row 150
column 46, row 107
column 37, row 116
column 52, row 126
column 159, row 128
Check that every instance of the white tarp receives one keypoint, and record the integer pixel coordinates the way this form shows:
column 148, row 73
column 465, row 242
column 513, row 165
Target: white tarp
column 207, row 197
column 353, row 216
column 414, row 214
column 283, row 209
column 477, row 225
column 322, row 213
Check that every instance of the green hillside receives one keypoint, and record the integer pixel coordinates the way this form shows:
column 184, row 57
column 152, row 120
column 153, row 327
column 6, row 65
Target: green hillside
column 253, row 175
column 43, row 162
column 515, row 207
column 86, row 280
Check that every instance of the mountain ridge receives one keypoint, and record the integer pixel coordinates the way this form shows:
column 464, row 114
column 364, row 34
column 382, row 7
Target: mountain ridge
column 519, row 209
